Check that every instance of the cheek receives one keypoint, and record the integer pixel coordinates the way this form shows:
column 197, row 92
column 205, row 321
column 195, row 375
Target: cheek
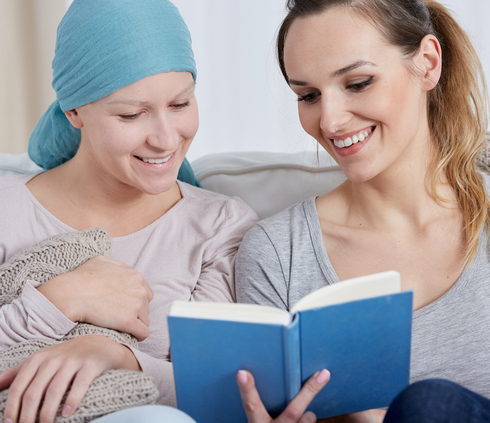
column 309, row 117
column 187, row 124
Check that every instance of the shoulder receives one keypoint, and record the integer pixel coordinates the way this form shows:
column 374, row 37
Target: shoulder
column 289, row 220
column 211, row 209
column 14, row 182
column 281, row 230
column 13, row 191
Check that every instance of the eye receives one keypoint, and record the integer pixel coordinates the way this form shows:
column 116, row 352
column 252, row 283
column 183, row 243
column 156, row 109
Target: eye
column 360, row 86
column 309, row 98
column 181, row 105
column 132, row 116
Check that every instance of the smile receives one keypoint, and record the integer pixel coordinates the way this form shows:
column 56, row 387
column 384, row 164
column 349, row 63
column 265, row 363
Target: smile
column 361, row 136
column 156, row 161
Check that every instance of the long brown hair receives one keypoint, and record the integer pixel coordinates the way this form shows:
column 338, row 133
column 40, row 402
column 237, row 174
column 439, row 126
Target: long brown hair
column 457, row 106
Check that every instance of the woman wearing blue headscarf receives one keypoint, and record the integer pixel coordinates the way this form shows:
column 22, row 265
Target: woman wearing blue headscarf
column 114, row 141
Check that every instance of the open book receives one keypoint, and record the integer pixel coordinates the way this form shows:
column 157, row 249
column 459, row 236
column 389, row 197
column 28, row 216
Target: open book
column 359, row 329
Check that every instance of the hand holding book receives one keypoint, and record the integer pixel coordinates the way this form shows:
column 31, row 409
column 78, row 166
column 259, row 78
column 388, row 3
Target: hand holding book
column 360, row 330
column 294, row 412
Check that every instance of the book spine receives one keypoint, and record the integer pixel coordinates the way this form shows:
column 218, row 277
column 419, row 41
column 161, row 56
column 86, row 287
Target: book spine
column 292, row 358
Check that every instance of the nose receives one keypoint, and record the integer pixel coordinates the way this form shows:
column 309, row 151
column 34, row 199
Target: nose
column 334, row 114
column 163, row 133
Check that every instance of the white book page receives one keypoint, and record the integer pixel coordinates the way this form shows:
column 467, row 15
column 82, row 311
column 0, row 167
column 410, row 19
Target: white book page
column 363, row 287
column 249, row 313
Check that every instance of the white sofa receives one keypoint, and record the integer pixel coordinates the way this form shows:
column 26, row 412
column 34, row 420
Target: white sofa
column 268, row 182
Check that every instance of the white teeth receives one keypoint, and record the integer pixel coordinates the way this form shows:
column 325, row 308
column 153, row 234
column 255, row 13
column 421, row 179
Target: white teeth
column 157, row 161
column 361, row 136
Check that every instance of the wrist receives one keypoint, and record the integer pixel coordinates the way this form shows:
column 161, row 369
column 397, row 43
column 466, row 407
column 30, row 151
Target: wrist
column 127, row 359
column 55, row 291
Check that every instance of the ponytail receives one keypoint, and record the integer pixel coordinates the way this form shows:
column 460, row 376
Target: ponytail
column 458, row 119
column 457, row 106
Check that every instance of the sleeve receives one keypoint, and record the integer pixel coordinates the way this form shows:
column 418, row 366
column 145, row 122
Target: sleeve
column 217, row 279
column 31, row 316
column 163, row 373
column 259, row 274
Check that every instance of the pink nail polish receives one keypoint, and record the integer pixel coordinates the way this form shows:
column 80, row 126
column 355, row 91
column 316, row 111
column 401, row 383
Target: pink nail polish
column 66, row 411
column 322, row 376
column 242, row 377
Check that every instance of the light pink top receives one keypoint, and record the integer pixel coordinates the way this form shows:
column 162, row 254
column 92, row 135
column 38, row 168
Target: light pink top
column 187, row 254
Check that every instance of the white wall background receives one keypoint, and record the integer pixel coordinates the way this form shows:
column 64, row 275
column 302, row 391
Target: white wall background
column 244, row 102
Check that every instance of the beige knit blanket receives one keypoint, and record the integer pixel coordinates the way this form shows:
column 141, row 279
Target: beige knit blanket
column 113, row 390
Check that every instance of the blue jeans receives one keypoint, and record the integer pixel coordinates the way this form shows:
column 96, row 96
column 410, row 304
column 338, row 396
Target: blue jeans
column 146, row 414
column 438, row 401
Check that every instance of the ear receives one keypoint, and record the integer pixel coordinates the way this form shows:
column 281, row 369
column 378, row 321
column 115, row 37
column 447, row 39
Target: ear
column 74, row 118
column 429, row 62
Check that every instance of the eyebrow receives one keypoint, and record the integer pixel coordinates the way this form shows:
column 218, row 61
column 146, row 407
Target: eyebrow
column 144, row 103
column 339, row 72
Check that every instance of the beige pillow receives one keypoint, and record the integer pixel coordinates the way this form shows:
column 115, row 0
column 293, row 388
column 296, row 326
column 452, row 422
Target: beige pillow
column 113, row 390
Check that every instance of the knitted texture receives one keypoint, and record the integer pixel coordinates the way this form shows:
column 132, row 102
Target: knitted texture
column 483, row 159
column 113, row 390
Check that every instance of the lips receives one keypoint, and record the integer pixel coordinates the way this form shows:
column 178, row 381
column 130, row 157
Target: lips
column 155, row 160
column 354, row 139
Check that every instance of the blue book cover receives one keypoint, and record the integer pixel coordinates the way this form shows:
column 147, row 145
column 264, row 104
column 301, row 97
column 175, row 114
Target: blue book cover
column 362, row 336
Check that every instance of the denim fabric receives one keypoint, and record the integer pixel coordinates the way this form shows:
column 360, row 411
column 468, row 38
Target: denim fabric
column 438, row 401
column 146, row 414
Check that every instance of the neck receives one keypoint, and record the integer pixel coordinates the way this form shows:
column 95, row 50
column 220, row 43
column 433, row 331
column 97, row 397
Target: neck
column 82, row 198
column 400, row 197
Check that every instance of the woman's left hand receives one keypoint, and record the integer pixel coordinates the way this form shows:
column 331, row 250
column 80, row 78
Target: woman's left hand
column 48, row 373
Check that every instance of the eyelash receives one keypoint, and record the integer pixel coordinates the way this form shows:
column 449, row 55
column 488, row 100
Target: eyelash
column 357, row 88
column 309, row 98
column 181, row 105
column 136, row 115
column 130, row 117
column 361, row 85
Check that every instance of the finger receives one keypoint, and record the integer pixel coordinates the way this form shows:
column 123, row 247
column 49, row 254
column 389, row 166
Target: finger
column 34, row 394
column 139, row 330
column 8, row 376
column 54, row 394
column 298, row 405
column 144, row 317
column 149, row 291
column 308, row 417
column 79, row 388
column 25, row 372
column 252, row 404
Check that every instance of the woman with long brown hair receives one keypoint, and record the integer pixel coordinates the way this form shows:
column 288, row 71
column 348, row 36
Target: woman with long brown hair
column 394, row 91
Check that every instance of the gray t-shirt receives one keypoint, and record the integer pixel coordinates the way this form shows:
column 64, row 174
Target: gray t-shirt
column 283, row 258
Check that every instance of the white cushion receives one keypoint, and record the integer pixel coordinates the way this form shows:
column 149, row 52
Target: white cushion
column 12, row 164
column 268, row 182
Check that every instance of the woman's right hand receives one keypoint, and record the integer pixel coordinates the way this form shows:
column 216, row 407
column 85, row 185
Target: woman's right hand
column 293, row 413
column 103, row 292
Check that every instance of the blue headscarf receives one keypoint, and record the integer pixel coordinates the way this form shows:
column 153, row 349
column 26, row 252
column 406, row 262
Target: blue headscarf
column 101, row 47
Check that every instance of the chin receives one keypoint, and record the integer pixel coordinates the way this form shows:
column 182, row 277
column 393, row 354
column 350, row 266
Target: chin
column 358, row 176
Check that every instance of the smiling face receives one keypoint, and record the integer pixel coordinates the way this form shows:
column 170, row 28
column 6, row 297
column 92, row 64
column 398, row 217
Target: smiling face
column 358, row 96
column 138, row 136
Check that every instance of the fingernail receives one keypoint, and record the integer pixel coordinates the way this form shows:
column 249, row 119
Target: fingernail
column 8, row 421
column 66, row 411
column 322, row 376
column 242, row 377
